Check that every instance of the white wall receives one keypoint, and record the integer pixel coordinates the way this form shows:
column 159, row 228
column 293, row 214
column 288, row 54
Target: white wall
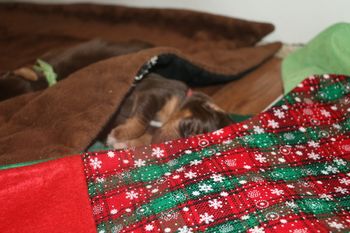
column 296, row 21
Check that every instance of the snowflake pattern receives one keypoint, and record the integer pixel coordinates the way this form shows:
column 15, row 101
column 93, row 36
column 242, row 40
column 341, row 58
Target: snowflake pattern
column 258, row 129
column 273, row 124
column 278, row 113
column 139, row 163
column 260, row 158
column 313, row 155
column 345, row 181
column 149, row 227
column 215, row 204
column 336, row 225
column 276, row 191
column 185, row 229
column 132, row 195
column 256, row 229
column 95, row 163
column 205, row 188
column 217, row 178
column 218, row 132
column 157, row 152
column 190, row 175
column 206, row 218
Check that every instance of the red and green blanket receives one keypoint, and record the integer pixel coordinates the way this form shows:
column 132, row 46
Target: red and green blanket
column 284, row 170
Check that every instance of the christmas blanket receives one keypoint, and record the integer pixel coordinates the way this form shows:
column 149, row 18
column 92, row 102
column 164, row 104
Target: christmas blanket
column 284, row 170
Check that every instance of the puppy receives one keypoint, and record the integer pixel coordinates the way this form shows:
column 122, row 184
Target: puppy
column 64, row 62
column 160, row 109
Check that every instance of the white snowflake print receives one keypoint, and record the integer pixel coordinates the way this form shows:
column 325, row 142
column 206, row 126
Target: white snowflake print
column 245, row 217
column 95, row 163
column 139, row 163
column 258, row 129
column 224, row 194
column 289, row 136
column 132, row 195
column 260, row 158
column 273, row 124
column 300, row 230
column 157, row 152
column 336, row 225
column 205, row 188
column 278, row 113
column 185, row 229
column 313, row 144
column 196, row 193
column 313, row 155
column 149, row 227
column 110, row 154
column 291, row 204
column 344, row 181
column 340, row 162
column 256, row 229
column 325, row 113
column 336, row 126
column 330, row 169
column 190, row 175
column 231, row 162
column 195, row 162
column 100, row 179
column 215, row 203
column 180, row 169
column 341, row 190
column 114, row 211
column 218, row 132
column 276, row 191
column 217, row 177
column 206, row 218
column 326, row 197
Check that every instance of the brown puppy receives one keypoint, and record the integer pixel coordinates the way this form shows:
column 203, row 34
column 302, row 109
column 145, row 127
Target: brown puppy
column 161, row 109
column 64, row 62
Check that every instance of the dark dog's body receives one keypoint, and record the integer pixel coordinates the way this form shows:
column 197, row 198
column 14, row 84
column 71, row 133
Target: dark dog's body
column 64, row 62
column 169, row 103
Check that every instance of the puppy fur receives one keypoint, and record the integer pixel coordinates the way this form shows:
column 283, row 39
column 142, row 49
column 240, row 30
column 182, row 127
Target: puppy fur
column 160, row 99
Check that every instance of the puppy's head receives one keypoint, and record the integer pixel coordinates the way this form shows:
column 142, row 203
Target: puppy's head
column 197, row 115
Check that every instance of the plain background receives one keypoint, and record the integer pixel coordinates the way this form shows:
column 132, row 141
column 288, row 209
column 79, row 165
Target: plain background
column 296, row 21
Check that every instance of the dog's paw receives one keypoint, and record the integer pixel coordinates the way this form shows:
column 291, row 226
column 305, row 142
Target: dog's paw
column 115, row 143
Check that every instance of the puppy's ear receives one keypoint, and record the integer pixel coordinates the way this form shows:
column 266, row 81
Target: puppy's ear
column 191, row 126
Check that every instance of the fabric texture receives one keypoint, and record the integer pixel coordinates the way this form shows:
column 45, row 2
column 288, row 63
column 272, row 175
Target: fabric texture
column 46, row 197
column 66, row 118
column 328, row 52
column 284, row 170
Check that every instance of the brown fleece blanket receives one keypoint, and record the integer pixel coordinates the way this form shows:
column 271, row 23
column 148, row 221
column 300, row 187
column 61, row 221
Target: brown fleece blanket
column 198, row 48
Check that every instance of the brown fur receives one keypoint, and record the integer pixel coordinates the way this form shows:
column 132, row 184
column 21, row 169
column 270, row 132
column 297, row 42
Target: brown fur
column 161, row 99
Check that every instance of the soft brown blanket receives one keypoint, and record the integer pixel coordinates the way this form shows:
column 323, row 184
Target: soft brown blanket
column 65, row 119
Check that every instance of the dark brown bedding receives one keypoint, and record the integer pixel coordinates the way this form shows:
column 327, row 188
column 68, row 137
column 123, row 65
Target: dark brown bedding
column 198, row 48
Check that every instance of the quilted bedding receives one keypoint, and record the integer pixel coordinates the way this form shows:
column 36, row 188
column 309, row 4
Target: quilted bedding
column 285, row 170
